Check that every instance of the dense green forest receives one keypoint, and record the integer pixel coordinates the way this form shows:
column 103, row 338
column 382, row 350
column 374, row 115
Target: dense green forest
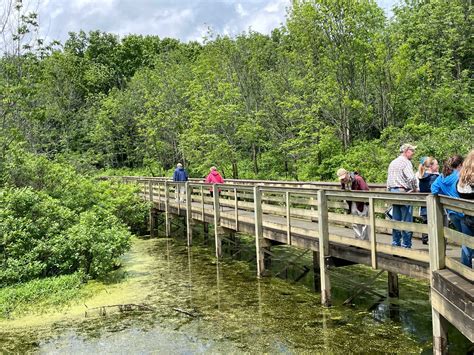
column 339, row 84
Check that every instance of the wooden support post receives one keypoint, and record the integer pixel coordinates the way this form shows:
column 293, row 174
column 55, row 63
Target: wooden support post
column 373, row 233
column 393, row 289
column 258, row 218
column 217, row 220
column 189, row 214
column 288, row 217
column 236, row 210
column 206, row 230
column 152, row 222
column 440, row 332
column 317, row 272
column 437, row 249
column 323, row 230
column 167, row 213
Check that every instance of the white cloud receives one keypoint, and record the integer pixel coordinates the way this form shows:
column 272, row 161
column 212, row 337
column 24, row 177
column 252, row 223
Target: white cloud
column 240, row 10
column 182, row 19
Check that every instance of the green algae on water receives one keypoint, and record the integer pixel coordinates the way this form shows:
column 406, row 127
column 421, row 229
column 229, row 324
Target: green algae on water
column 200, row 305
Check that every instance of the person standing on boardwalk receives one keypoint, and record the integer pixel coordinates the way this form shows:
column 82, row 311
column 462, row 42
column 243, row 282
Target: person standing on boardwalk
column 401, row 178
column 428, row 172
column 465, row 188
column 354, row 182
column 180, row 175
column 446, row 183
column 214, row 178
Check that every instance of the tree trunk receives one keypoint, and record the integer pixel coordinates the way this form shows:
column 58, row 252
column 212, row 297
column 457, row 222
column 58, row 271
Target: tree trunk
column 254, row 157
column 235, row 171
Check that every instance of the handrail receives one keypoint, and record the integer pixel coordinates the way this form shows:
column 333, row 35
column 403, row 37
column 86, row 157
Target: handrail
column 296, row 204
column 301, row 184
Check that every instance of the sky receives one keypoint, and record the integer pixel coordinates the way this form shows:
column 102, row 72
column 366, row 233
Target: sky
column 186, row 20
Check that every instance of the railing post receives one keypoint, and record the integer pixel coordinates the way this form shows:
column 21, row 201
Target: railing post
column 159, row 194
column 202, row 205
column 177, row 196
column 151, row 216
column 437, row 247
column 258, row 218
column 189, row 213
column 323, row 229
column 150, row 191
column 217, row 221
column 288, row 217
column 236, row 210
column 167, row 213
column 373, row 233
column 437, row 244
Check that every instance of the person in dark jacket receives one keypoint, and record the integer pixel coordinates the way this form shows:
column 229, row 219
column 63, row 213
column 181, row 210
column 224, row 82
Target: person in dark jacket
column 465, row 189
column 354, row 182
column 180, row 175
column 428, row 172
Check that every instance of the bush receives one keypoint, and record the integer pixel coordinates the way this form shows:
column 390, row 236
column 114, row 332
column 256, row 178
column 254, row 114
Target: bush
column 55, row 221
column 94, row 244
column 40, row 237
column 29, row 222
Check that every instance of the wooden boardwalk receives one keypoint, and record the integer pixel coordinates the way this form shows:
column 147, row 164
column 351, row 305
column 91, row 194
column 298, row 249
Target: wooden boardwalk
column 312, row 216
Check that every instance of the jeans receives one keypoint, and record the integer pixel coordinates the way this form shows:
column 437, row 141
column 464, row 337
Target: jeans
column 403, row 213
column 466, row 252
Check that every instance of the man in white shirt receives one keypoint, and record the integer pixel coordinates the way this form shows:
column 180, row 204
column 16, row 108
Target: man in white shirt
column 401, row 178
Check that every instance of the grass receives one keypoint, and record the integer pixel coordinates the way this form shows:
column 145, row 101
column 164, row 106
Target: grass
column 40, row 295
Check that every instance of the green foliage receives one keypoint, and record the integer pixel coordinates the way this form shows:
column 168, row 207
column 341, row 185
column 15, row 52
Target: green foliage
column 337, row 85
column 29, row 225
column 93, row 244
column 55, row 221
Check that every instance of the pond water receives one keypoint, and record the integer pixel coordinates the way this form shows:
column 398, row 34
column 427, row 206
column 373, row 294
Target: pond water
column 180, row 300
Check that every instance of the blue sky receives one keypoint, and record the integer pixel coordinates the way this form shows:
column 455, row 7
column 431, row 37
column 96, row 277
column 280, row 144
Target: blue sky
column 183, row 19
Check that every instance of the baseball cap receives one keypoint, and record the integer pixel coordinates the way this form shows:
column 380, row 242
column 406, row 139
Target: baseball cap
column 341, row 173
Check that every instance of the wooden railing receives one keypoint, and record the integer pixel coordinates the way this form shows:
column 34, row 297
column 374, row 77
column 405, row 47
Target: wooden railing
column 441, row 234
column 295, row 204
column 298, row 201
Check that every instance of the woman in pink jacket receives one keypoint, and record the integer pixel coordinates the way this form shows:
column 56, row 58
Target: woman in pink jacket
column 214, row 178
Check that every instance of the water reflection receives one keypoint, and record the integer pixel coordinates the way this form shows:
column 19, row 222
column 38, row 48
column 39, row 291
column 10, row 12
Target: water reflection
column 222, row 307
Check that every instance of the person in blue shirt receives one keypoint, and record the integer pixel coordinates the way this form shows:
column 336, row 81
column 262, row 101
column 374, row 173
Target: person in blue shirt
column 180, row 175
column 446, row 183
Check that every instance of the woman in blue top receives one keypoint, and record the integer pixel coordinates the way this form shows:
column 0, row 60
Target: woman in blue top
column 465, row 189
column 428, row 172
column 445, row 184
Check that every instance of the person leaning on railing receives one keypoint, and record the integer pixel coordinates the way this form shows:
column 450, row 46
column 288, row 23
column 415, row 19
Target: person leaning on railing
column 401, row 178
column 354, row 182
column 445, row 184
column 465, row 189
